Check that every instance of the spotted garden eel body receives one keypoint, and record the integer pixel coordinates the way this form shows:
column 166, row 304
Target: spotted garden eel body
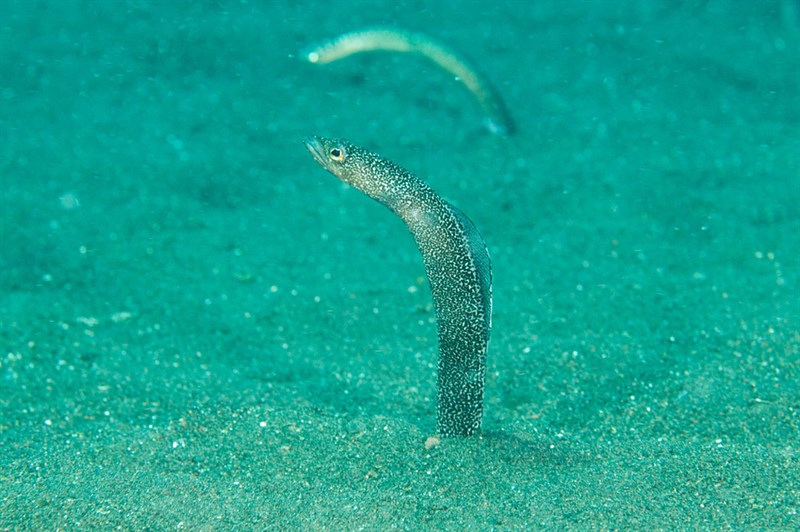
column 458, row 269
column 497, row 118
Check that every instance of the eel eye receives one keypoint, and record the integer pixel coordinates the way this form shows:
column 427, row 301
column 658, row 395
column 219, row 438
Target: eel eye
column 337, row 154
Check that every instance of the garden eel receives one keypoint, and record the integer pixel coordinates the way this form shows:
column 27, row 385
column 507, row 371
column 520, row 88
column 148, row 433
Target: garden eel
column 458, row 268
column 497, row 120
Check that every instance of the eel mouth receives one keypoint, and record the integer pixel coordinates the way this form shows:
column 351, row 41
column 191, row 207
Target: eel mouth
column 317, row 151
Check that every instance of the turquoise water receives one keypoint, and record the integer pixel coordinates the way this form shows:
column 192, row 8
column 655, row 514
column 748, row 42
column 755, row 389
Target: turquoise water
column 202, row 329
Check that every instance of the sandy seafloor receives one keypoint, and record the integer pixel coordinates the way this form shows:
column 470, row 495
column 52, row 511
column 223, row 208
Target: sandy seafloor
column 202, row 329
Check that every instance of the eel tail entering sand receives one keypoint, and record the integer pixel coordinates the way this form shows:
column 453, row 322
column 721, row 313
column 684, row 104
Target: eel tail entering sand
column 497, row 118
column 458, row 268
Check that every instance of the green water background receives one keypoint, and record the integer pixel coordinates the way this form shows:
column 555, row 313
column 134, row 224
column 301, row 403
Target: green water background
column 202, row 329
